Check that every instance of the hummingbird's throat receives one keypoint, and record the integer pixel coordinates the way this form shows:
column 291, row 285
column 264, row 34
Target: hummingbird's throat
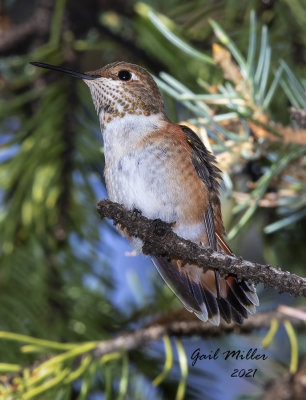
column 111, row 100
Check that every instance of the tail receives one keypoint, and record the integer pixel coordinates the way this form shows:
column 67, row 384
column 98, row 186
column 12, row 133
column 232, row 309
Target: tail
column 206, row 294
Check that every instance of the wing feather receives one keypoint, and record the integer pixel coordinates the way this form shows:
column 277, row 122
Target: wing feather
column 205, row 293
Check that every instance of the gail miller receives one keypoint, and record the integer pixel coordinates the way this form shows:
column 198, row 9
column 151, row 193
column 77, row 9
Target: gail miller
column 251, row 354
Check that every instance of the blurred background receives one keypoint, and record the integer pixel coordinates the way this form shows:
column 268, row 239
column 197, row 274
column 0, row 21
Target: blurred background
column 235, row 72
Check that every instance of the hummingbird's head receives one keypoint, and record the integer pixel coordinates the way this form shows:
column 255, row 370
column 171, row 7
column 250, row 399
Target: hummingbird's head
column 122, row 88
column 118, row 89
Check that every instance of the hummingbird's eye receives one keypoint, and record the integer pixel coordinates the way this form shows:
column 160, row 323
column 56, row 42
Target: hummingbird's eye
column 124, row 75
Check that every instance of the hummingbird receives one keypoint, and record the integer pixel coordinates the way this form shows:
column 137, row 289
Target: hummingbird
column 163, row 170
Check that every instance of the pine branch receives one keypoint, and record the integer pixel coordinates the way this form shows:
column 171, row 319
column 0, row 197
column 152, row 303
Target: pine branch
column 191, row 327
column 159, row 240
column 178, row 326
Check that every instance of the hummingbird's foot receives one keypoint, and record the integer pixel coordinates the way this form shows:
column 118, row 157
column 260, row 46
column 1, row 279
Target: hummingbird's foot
column 136, row 213
column 160, row 227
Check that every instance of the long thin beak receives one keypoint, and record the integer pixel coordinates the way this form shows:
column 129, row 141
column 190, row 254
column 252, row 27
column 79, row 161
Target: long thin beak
column 65, row 71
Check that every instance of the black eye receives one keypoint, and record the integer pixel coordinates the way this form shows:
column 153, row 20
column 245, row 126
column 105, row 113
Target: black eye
column 124, row 75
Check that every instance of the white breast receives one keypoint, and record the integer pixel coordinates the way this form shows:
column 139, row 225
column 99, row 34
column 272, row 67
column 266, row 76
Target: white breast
column 130, row 173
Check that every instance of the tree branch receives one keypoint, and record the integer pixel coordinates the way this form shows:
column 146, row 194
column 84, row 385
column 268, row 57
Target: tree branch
column 191, row 327
column 159, row 240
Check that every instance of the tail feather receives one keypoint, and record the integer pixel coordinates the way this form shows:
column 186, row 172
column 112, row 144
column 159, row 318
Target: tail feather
column 199, row 297
column 235, row 290
column 225, row 309
column 208, row 296
column 236, row 316
column 214, row 316
column 236, row 304
column 177, row 282
column 250, row 292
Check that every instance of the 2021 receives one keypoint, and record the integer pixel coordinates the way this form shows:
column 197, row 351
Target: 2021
column 243, row 373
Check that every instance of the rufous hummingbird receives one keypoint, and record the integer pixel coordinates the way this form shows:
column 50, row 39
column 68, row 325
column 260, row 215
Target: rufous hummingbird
column 164, row 170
